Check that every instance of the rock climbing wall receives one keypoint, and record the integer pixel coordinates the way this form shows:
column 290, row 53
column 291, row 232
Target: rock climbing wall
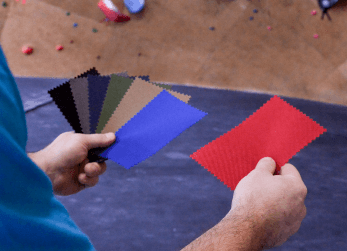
column 269, row 46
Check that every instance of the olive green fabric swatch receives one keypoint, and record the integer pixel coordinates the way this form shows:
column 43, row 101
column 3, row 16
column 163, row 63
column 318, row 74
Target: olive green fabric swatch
column 166, row 87
column 117, row 88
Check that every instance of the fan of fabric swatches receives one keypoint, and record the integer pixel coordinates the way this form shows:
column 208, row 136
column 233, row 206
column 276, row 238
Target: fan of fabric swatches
column 141, row 91
column 91, row 103
column 73, row 96
column 117, row 88
column 276, row 130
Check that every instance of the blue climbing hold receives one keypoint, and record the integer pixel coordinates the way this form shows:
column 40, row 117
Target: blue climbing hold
column 251, row 18
column 75, row 25
column 255, row 11
column 134, row 6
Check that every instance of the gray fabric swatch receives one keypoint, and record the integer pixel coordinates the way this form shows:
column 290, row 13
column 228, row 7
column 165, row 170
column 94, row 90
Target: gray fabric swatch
column 79, row 88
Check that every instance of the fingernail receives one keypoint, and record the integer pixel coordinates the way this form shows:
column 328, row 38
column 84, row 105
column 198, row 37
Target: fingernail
column 110, row 135
column 269, row 159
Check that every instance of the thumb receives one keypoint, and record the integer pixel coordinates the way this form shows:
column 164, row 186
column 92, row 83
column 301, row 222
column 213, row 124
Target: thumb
column 99, row 140
column 266, row 165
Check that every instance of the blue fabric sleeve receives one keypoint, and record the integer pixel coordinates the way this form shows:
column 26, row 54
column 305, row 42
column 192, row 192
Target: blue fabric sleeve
column 31, row 218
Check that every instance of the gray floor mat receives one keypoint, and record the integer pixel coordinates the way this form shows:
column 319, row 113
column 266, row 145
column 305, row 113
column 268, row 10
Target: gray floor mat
column 167, row 201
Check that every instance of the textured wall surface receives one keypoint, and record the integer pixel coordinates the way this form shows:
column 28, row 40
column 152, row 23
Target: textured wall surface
column 172, row 42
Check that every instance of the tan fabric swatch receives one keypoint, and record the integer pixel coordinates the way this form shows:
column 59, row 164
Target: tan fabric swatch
column 138, row 96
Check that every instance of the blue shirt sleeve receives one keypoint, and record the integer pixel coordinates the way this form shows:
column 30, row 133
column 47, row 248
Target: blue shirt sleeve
column 31, row 218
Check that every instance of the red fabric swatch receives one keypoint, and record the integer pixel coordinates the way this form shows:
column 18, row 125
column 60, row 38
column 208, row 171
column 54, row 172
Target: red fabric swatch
column 276, row 130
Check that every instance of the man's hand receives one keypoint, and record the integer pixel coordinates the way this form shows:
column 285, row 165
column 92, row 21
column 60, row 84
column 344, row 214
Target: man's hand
column 266, row 210
column 66, row 164
column 274, row 202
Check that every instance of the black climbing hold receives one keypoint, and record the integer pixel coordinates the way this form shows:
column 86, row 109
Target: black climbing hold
column 325, row 5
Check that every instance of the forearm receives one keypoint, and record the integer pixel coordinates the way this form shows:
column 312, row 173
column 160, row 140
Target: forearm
column 233, row 233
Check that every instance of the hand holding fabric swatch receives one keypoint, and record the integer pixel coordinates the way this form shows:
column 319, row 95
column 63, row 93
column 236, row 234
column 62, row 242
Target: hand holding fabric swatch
column 276, row 130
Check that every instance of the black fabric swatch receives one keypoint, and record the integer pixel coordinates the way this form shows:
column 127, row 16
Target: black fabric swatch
column 63, row 98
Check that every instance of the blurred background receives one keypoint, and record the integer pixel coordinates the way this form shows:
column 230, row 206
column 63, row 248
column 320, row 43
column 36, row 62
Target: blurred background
column 216, row 43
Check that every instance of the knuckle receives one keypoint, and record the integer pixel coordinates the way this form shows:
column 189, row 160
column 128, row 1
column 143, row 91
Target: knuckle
column 303, row 190
column 97, row 168
column 90, row 169
column 94, row 168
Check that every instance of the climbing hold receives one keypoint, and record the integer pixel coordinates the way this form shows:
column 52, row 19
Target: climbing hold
column 95, row 30
column 212, row 28
column 4, row 4
column 27, row 50
column 315, row 36
column 122, row 18
column 325, row 5
column 134, row 6
column 68, row 13
column 139, row 54
column 314, row 12
column 71, row 42
column 255, row 11
column 75, row 24
column 269, row 28
column 59, row 47
column 251, row 18
column 111, row 12
column 98, row 57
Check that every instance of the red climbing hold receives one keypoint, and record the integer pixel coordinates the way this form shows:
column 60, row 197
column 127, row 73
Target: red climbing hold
column 122, row 18
column 315, row 36
column 27, row 50
column 111, row 12
column 314, row 12
column 59, row 47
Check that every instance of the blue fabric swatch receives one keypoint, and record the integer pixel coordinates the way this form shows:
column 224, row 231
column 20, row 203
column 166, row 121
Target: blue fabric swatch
column 97, row 89
column 162, row 120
